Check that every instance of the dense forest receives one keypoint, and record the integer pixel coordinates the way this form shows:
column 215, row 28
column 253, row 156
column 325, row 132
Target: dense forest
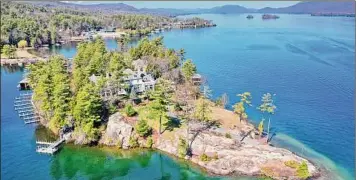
column 70, row 98
column 39, row 24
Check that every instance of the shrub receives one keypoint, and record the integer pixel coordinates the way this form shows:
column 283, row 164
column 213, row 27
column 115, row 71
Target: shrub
column 204, row 157
column 260, row 127
column 182, row 147
column 22, row 44
column 302, row 170
column 292, row 164
column 228, row 135
column 142, row 128
column 112, row 109
column 149, row 142
column 129, row 110
column 133, row 143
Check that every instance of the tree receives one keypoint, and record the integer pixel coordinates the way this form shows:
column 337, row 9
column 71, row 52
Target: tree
column 181, row 53
column 203, row 110
column 184, row 96
column 142, row 128
column 222, row 101
column 9, row 51
column 87, row 110
column 182, row 147
column 161, row 95
column 22, row 44
column 173, row 61
column 129, row 110
column 188, row 69
column 267, row 107
column 245, row 98
column 240, row 107
column 61, row 93
column 260, row 127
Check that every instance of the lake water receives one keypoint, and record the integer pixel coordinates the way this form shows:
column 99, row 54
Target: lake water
column 308, row 62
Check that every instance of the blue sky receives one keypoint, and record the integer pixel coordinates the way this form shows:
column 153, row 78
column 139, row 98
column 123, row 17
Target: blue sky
column 196, row 4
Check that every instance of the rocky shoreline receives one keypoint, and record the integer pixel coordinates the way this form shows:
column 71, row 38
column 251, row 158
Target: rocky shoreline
column 229, row 152
column 227, row 156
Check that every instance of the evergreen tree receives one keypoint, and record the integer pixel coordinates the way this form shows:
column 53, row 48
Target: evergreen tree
column 267, row 107
column 142, row 128
column 240, row 107
column 161, row 96
column 203, row 110
column 87, row 110
column 188, row 69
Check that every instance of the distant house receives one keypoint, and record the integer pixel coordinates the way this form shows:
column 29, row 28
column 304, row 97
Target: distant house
column 135, row 80
column 139, row 80
column 197, row 79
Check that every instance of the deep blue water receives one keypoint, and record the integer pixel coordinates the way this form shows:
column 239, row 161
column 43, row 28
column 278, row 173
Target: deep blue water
column 308, row 62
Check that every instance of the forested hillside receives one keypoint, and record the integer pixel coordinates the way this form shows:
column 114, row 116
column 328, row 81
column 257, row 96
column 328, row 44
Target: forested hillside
column 40, row 24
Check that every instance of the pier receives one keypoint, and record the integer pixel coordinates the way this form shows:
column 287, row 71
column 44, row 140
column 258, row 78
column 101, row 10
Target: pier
column 24, row 84
column 18, row 61
column 49, row 147
column 24, row 108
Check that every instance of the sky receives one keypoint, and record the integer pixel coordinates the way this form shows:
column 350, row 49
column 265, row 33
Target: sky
column 196, row 4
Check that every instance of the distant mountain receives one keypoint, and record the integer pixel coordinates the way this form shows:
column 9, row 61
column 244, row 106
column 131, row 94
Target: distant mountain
column 170, row 11
column 229, row 9
column 314, row 7
column 107, row 8
column 299, row 8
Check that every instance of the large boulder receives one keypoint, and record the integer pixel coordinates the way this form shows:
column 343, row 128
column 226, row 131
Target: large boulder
column 118, row 132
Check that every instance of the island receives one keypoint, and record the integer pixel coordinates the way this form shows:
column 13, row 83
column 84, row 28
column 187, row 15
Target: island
column 146, row 96
column 270, row 16
column 249, row 16
column 150, row 96
column 333, row 14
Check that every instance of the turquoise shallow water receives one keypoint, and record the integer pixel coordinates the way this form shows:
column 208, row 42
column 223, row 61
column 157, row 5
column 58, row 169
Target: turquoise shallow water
column 308, row 62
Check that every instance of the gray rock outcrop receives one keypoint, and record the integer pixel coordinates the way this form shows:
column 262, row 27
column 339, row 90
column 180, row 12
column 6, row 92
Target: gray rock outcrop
column 249, row 157
column 118, row 132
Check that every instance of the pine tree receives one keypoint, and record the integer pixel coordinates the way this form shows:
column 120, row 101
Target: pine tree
column 267, row 107
column 188, row 69
column 142, row 128
column 203, row 110
column 87, row 110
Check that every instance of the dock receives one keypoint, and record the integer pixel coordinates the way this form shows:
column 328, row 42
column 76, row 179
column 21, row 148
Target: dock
column 49, row 147
column 24, row 84
column 24, row 108
column 18, row 61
